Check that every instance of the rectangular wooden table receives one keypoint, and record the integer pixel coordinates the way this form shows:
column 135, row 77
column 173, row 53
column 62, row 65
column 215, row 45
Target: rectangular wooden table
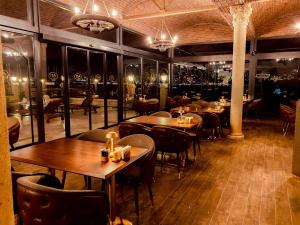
column 80, row 157
column 161, row 121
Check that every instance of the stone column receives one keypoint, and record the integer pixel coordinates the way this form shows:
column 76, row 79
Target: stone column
column 240, row 15
column 296, row 153
column 6, row 203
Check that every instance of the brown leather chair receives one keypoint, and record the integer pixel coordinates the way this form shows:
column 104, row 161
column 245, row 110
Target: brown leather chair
column 288, row 117
column 170, row 140
column 162, row 114
column 195, row 133
column 254, row 108
column 97, row 135
column 142, row 171
column 126, row 129
column 212, row 122
column 43, row 205
column 14, row 132
column 86, row 104
column 52, row 110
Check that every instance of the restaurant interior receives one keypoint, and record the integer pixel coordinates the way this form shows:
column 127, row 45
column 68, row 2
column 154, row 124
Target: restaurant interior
column 150, row 112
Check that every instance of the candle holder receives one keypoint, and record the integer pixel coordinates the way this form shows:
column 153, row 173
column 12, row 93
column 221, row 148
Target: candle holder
column 111, row 136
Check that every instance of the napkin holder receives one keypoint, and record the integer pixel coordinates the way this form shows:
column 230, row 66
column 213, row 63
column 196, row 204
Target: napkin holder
column 125, row 153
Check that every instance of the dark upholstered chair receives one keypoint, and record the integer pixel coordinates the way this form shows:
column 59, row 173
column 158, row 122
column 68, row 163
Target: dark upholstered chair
column 142, row 171
column 52, row 110
column 86, row 104
column 170, row 140
column 212, row 122
column 195, row 133
column 96, row 135
column 44, row 205
column 254, row 108
column 162, row 114
column 288, row 117
column 14, row 132
column 127, row 128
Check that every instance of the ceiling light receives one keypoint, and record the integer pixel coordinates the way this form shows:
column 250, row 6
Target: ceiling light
column 77, row 10
column 5, row 35
column 93, row 22
column 95, row 8
column 114, row 12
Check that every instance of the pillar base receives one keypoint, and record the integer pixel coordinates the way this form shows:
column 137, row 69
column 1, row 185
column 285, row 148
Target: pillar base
column 236, row 136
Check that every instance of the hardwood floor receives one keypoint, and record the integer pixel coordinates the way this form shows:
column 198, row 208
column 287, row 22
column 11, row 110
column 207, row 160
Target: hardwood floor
column 247, row 182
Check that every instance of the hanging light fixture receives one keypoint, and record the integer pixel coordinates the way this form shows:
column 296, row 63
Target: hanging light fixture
column 90, row 20
column 163, row 39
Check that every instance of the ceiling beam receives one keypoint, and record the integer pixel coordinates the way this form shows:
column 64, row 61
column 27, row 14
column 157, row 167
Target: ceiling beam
column 169, row 13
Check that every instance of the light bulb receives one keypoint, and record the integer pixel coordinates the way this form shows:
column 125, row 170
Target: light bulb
column 13, row 78
column 175, row 38
column 5, row 35
column 25, row 53
column 95, row 8
column 76, row 10
column 114, row 12
column 25, row 79
column 149, row 39
column 297, row 26
column 163, row 36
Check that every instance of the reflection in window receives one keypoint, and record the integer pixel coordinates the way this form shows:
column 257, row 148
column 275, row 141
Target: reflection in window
column 20, row 88
column 277, row 80
column 132, row 85
column 112, row 89
column 150, row 81
column 209, row 80
column 52, row 80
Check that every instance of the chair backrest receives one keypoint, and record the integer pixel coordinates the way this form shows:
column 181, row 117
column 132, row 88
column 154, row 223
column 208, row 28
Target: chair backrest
column 14, row 132
column 147, row 163
column 126, row 129
column 210, row 120
column 170, row 140
column 52, row 106
column 97, row 135
column 202, row 103
column 87, row 101
column 39, row 204
column 287, row 113
column 162, row 114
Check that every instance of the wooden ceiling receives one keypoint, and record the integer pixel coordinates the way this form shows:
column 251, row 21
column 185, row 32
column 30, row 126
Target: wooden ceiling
column 203, row 21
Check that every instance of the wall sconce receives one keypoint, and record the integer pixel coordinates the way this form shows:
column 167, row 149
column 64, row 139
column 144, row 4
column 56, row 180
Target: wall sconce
column 130, row 78
column 164, row 78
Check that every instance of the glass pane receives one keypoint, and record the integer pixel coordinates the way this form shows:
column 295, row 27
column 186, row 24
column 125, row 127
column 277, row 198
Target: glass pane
column 277, row 81
column 14, row 8
column 132, row 85
column 53, row 90
column 20, row 87
column 150, row 81
column 80, row 96
column 163, row 74
column 97, row 86
column 112, row 89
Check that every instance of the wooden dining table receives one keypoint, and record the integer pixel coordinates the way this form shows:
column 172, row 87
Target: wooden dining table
column 186, row 109
column 80, row 157
column 162, row 121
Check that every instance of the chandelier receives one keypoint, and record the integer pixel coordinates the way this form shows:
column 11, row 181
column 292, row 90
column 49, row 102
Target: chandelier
column 163, row 39
column 90, row 20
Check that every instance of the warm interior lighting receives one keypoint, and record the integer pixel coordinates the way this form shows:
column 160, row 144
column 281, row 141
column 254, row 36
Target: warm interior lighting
column 76, row 10
column 96, row 81
column 131, row 78
column 114, row 12
column 149, row 39
column 13, row 78
column 95, row 8
column 25, row 79
column 297, row 26
column 163, row 36
column 164, row 78
column 5, row 35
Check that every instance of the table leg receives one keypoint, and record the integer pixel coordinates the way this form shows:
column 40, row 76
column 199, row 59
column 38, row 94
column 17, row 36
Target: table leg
column 112, row 197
